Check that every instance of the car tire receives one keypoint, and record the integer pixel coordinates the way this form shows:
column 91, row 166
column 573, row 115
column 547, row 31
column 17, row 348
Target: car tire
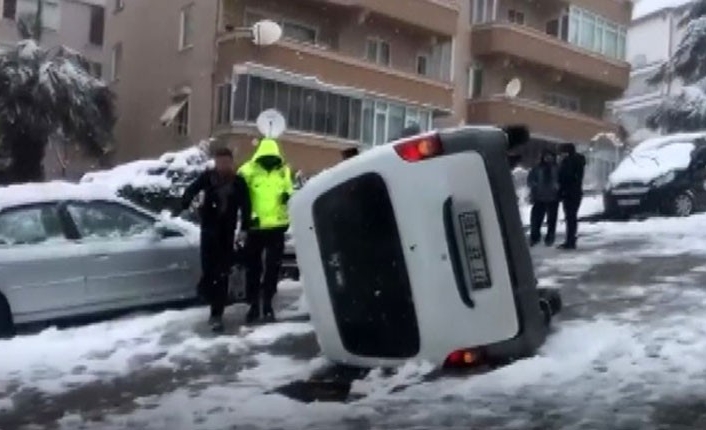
column 7, row 326
column 683, row 204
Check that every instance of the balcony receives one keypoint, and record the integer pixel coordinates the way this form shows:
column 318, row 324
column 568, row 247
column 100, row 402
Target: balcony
column 536, row 47
column 333, row 68
column 438, row 16
column 619, row 11
column 541, row 119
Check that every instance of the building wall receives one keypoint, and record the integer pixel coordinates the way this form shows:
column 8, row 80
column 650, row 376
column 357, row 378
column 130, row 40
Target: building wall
column 154, row 70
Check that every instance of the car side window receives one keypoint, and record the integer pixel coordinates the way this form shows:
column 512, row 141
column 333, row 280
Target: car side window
column 30, row 225
column 108, row 220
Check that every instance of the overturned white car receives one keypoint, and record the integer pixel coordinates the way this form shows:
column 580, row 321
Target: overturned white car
column 415, row 250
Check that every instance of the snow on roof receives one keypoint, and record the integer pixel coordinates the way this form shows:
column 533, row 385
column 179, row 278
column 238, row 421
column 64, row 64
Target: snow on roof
column 656, row 157
column 643, row 8
column 23, row 194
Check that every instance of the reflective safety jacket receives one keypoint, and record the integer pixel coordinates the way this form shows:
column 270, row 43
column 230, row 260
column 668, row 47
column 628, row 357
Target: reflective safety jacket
column 271, row 188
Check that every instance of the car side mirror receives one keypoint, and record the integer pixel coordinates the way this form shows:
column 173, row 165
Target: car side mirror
column 163, row 231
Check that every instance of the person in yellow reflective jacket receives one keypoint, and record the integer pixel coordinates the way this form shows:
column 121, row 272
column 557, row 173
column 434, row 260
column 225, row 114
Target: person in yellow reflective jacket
column 269, row 180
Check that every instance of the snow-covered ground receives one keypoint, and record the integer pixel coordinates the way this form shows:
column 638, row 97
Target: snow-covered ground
column 627, row 353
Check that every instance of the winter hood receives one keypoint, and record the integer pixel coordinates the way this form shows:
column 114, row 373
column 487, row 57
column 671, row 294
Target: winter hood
column 267, row 148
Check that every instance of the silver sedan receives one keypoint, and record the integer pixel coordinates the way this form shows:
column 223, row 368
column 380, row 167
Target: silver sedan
column 69, row 250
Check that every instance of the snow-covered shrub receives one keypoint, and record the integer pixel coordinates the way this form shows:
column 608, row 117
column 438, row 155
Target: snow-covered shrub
column 48, row 92
column 155, row 184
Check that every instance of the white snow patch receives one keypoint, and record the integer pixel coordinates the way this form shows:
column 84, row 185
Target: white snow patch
column 590, row 205
column 643, row 8
column 645, row 164
column 55, row 360
column 29, row 193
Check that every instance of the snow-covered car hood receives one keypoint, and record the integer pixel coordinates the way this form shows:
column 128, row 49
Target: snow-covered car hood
column 648, row 164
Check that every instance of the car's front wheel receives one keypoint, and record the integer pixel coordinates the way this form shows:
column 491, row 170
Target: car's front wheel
column 683, row 204
column 7, row 327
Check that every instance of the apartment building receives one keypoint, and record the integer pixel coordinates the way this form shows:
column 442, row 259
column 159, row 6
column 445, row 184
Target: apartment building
column 647, row 54
column 568, row 55
column 351, row 73
column 346, row 73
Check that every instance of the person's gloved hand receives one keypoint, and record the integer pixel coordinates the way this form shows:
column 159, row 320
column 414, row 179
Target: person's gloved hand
column 284, row 198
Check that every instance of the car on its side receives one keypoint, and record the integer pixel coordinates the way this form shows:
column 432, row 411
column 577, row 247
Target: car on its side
column 69, row 250
column 664, row 175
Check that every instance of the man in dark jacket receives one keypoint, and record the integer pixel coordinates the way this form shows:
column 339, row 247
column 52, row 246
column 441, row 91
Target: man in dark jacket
column 543, row 183
column 571, row 170
column 225, row 195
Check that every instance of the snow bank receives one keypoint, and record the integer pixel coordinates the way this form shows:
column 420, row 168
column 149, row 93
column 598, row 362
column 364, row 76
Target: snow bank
column 647, row 165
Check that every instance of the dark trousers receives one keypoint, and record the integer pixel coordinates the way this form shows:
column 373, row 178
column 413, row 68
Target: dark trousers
column 216, row 263
column 539, row 211
column 259, row 285
column 571, row 207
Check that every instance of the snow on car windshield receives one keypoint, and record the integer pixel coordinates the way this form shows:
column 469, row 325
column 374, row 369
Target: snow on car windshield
column 653, row 158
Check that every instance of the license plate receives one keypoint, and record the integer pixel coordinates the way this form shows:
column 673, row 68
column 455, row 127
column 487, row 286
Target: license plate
column 477, row 262
column 629, row 202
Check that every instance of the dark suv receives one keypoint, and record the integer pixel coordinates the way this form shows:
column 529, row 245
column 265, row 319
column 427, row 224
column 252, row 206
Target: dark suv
column 664, row 175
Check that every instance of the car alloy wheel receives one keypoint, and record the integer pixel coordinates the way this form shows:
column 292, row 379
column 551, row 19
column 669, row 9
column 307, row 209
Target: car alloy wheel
column 683, row 205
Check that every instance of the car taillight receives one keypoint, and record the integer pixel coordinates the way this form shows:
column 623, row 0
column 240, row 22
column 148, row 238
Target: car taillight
column 420, row 148
column 463, row 358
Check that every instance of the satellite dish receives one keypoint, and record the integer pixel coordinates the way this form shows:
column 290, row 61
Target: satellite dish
column 271, row 123
column 266, row 32
column 513, row 88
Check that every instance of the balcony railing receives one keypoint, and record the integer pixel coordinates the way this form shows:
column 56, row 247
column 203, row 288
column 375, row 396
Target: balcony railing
column 540, row 118
column 336, row 69
column 536, row 47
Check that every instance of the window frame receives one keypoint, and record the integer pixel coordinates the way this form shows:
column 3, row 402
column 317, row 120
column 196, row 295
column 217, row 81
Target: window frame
column 116, row 59
column 186, row 12
column 94, row 29
column 6, row 10
column 425, row 58
column 183, row 128
column 516, row 17
column 378, row 42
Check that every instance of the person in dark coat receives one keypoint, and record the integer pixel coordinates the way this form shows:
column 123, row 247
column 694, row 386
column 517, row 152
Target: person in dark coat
column 225, row 195
column 571, row 171
column 543, row 184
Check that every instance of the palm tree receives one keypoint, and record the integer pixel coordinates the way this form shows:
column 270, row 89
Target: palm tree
column 45, row 93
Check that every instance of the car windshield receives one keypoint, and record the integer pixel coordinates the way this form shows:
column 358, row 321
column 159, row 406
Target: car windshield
column 649, row 161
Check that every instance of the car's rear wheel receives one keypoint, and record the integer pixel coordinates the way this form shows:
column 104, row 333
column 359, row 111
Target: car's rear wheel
column 683, row 205
column 7, row 327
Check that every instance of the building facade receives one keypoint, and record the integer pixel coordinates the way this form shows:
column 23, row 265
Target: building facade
column 354, row 73
column 647, row 54
column 79, row 25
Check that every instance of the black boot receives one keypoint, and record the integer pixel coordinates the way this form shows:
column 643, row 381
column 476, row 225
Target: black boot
column 216, row 324
column 253, row 313
column 268, row 314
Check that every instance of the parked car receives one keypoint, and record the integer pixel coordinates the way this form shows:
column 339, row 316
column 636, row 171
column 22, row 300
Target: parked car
column 664, row 175
column 70, row 250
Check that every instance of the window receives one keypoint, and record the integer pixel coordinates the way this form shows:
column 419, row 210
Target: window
column 552, row 28
column 51, row 14
column 422, row 65
column 483, row 11
column 97, row 27
column 319, row 111
column 516, row 17
column 119, row 5
column 186, row 32
column 475, row 81
column 298, row 32
column 116, row 61
column 96, row 70
column 593, row 32
column 225, row 96
column 562, row 101
column 181, row 122
column 108, row 220
column 377, row 51
column 30, row 225
column 9, row 9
